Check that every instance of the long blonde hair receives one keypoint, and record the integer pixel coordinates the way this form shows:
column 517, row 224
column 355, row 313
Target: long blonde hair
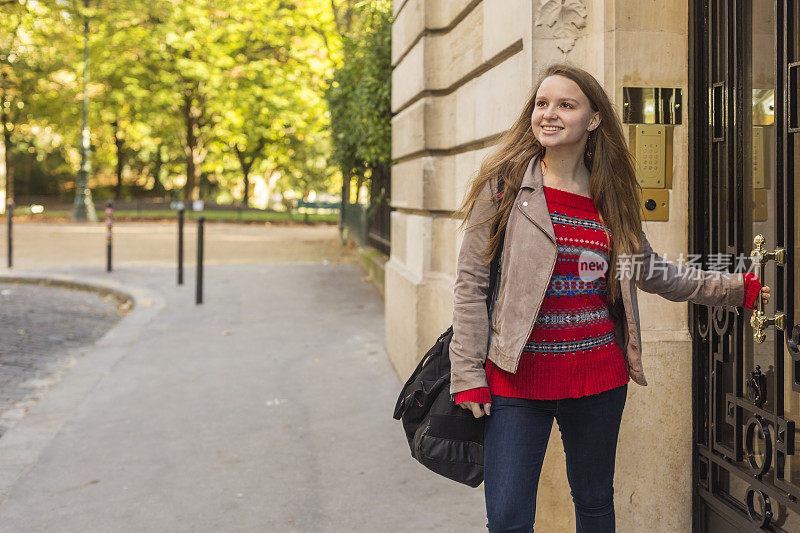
column 612, row 183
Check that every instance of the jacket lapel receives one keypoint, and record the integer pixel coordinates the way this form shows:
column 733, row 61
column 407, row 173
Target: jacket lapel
column 531, row 200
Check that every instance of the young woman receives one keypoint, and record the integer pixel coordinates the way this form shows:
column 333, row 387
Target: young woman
column 563, row 339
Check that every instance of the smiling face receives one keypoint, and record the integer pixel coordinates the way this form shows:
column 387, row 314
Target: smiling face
column 562, row 114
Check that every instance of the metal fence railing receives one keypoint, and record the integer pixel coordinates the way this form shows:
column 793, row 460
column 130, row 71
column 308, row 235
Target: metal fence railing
column 379, row 219
column 354, row 220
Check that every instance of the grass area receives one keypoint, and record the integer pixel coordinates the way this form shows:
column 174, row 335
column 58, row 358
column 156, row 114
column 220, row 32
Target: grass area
column 167, row 214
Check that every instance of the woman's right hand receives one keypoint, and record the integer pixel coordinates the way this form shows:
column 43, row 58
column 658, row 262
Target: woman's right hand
column 478, row 409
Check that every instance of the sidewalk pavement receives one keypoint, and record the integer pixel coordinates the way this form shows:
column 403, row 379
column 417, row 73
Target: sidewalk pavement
column 267, row 408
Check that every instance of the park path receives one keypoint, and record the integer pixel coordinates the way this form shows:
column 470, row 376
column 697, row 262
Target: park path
column 267, row 408
column 39, row 245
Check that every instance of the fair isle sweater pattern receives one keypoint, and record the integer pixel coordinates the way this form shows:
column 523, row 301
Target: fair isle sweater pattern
column 567, row 283
column 557, row 348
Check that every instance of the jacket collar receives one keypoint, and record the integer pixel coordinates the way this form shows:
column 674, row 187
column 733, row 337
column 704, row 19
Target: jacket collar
column 531, row 200
column 532, row 178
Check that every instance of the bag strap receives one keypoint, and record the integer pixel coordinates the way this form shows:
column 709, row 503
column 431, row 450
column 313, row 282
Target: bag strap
column 494, row 266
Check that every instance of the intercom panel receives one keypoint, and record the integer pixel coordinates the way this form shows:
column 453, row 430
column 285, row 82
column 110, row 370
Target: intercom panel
column 651, row 145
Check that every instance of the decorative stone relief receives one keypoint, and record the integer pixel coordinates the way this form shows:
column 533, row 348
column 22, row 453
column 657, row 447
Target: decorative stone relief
column 564, row 19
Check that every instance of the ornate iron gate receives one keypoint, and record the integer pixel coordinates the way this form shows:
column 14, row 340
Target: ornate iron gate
column 745, row 172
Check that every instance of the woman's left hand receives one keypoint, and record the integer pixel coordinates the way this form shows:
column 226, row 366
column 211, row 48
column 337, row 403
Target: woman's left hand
column 765, row 294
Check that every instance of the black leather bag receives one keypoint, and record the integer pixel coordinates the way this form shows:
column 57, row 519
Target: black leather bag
column 442, row 436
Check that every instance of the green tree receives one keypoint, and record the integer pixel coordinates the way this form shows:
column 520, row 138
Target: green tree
column 208, row 91
column 33, row 37
column 264, row 55
column 360, row 98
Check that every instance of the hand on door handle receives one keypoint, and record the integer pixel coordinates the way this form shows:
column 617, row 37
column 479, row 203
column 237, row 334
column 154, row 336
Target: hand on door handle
column 754, row 290
column 765, row 294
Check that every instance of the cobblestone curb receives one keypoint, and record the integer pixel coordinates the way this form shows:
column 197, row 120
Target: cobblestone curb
column 22, row 444
column 103, row 288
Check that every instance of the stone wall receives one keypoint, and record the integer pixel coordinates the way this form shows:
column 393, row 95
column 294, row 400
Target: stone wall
column 462, row 71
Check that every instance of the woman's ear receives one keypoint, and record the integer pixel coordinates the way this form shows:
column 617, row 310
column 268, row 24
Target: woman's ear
column 594, row 123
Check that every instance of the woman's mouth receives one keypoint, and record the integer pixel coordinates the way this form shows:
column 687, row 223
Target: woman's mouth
column 549, row 130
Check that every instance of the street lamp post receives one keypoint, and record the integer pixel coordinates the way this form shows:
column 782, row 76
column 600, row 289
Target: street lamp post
column 83, row 208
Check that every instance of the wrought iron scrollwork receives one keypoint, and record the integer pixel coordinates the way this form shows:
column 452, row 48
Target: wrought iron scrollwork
column 703, row 320
column 762, row 520
column 746, row 458
column 757, row 387
column 749, row 445
column 721, row 319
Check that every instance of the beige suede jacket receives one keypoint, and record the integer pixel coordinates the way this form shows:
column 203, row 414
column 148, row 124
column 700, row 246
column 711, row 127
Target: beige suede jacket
column 527, row 262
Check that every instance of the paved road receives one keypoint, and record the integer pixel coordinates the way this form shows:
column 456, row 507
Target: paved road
column 268, row 408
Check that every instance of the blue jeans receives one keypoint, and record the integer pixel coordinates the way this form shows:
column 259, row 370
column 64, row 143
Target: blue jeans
column 516, row 438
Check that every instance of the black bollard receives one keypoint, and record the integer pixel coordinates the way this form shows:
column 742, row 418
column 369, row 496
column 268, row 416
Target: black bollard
column 109, row 227
column 10, row 213
column 199, row 291
column 180, row 246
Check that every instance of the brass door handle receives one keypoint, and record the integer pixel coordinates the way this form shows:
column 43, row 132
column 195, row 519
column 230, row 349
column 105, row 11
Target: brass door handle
column 760, row 321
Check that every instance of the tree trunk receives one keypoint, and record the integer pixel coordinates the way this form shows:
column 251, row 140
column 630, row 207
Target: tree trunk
column 158, row 186
column 246, row 199
column 245, row 164
column 359, row 183
column 119, row 143
column 27, row 167
column 190, row 189
column 9, row 167
column 2, row 172
column 346, row 180
column 193, row 149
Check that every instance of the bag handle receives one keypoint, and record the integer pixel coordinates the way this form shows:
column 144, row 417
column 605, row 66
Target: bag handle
column 494, row 268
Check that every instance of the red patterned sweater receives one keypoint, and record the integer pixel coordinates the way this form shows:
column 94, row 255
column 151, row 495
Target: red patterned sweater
column 571, row 351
